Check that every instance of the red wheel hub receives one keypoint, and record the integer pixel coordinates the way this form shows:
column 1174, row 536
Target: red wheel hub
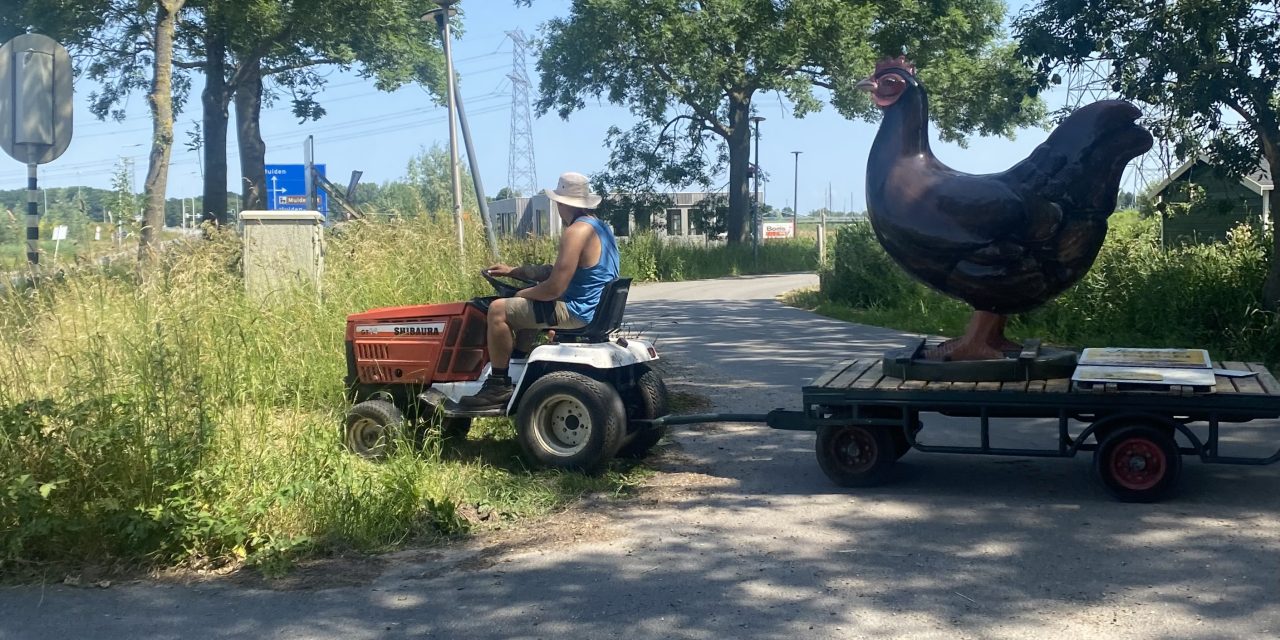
column 1138, row 464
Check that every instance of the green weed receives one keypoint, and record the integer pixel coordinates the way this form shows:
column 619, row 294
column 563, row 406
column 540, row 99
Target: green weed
column 178, row 421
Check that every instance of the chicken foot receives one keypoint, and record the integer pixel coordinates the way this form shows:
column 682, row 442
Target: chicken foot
column 983, row 339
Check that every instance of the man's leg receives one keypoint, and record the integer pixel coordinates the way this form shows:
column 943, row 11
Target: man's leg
column 505, row 316
column 500, row 338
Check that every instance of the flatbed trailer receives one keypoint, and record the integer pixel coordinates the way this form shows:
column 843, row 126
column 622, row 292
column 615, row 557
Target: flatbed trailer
column 866, row 420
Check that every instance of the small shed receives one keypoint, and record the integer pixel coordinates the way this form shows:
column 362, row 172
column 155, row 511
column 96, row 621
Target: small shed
column 1223, row 203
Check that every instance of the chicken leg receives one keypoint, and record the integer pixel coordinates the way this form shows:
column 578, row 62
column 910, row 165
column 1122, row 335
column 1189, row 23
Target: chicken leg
column 983, row 339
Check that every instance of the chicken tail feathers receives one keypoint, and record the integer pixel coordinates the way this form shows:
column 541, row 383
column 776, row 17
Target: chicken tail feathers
column 1080, row 165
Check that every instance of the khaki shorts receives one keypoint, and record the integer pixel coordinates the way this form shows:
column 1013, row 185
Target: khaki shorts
column 526, row 317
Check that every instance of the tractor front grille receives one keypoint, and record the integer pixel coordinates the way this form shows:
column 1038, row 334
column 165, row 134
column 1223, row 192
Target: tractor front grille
column 375, row 351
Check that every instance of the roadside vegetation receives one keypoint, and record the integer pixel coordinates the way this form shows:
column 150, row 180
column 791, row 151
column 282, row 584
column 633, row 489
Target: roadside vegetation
column 1137, row 294
column 178, row 422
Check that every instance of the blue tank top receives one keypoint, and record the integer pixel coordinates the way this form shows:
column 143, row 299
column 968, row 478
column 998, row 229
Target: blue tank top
column 583, row 294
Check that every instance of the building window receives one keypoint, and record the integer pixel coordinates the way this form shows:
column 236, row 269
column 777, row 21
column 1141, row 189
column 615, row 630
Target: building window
column 675, row 226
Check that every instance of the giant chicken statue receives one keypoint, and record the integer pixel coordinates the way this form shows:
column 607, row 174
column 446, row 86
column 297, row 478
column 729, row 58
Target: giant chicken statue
column 1002, row 242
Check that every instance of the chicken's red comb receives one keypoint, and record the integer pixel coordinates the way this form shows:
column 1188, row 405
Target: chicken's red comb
column 899, row 62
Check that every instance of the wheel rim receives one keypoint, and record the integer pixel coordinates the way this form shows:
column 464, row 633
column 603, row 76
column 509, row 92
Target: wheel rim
column 1138, row 464
column 854, row 449
column 366, row 436
column 562, row 425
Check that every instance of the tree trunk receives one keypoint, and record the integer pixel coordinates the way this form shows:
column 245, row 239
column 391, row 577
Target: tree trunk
column 253, row 151
column 161, row 103
column 215, row 99
column 739, row 142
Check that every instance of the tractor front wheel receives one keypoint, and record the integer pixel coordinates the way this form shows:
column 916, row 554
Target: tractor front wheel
column 372, row 429
column 570, row 421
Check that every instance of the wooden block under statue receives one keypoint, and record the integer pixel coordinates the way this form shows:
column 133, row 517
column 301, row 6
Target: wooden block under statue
column 1033, row 362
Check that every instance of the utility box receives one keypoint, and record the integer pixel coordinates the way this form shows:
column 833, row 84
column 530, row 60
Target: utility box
column 283, row 251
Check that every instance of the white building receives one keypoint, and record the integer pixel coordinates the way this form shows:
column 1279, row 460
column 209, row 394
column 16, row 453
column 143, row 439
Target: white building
column 536, row 216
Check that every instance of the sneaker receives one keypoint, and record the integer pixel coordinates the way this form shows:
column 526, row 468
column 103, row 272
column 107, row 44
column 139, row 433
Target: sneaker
column 494, row 394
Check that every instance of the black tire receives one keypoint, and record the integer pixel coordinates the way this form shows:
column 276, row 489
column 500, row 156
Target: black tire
column 856, row 456
column 570, row 421
column 1138, row 463
column 373, row 428
column 647, row 400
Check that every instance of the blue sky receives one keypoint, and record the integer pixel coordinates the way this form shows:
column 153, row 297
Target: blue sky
column 378, row 132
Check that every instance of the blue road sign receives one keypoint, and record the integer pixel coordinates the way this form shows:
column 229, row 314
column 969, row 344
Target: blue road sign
column 287, row 188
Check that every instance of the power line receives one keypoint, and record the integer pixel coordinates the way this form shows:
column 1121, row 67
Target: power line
column 293, row 138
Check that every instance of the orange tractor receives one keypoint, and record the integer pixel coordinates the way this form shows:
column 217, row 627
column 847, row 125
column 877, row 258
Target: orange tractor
column 581, row 399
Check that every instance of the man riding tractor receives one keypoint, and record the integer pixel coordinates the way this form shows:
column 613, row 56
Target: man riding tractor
column 565, row 297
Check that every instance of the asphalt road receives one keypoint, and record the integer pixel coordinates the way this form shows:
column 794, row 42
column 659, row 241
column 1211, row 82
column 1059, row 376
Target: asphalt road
column 742, row 535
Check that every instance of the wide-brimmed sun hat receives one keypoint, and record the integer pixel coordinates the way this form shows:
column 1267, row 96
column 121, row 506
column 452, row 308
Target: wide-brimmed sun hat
column 573, row 190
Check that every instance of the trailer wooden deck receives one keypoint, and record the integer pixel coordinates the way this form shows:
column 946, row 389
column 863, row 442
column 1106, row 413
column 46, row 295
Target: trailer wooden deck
column 865, row 374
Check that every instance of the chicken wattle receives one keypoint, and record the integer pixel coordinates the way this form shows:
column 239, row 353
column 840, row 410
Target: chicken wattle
column 1002, row 242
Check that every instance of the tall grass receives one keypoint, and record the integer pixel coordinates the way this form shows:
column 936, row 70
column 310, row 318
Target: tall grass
column 646, row 257
column 1136, row 294
column 179, row 420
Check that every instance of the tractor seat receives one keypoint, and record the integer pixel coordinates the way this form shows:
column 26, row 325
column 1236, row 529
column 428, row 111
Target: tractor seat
column 613, row 301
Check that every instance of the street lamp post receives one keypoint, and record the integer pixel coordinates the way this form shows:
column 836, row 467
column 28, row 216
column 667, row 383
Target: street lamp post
column 441, row 17
column 795, row 196
column 755, row 213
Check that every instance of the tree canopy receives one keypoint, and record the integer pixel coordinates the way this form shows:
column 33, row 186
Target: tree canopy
column 1207, row 73
column 690, row 70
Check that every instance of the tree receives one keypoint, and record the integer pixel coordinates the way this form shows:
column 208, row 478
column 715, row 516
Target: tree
column 428, row 173
column 690, row 70
column 1210, row 67
column 124, row 39
column 286, row 41
column 160, row 101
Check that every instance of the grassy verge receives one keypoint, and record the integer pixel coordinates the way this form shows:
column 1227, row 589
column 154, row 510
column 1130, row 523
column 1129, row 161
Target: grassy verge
column 178, row 422
column 1137, row 294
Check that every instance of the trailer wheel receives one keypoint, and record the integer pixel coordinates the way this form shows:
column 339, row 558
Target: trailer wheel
column 1138, row 463
column 570, row 421
column 645, row 401
column 372, row 428
column 856, row 456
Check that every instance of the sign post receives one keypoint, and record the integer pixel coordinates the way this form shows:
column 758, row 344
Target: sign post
column 35, row 113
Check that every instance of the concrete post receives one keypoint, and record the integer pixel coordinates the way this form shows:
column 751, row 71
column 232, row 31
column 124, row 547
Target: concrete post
column 283, row 250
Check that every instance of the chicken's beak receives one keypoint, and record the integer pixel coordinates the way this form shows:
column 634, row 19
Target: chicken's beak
column 867, row 85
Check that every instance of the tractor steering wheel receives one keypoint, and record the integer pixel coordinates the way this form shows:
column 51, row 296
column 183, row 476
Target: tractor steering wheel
column 503, row 289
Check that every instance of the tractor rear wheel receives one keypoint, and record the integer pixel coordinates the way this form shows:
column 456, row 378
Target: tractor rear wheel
column 647, row 400
column 570, row 421
column 372, row 429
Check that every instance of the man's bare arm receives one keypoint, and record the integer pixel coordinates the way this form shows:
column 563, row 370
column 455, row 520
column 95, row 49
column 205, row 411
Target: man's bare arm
column 538, row 272
column 572, row 243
